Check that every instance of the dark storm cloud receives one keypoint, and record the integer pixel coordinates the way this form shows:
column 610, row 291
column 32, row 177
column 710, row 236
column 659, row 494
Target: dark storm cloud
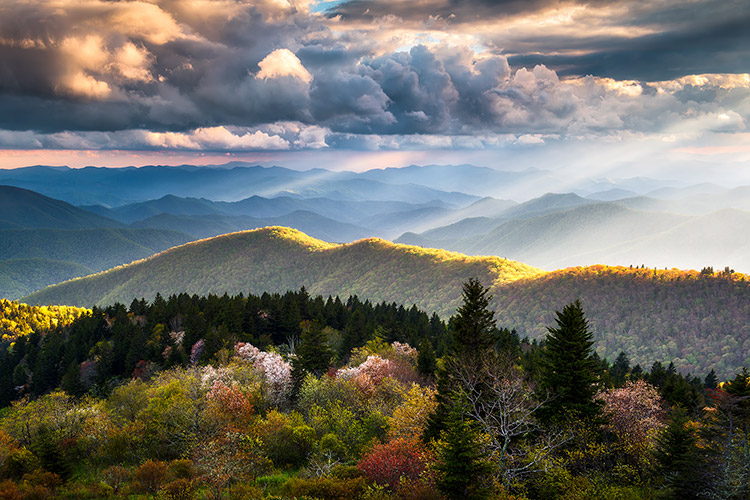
column 722, row 48
column 617, row 38
column 213, row 74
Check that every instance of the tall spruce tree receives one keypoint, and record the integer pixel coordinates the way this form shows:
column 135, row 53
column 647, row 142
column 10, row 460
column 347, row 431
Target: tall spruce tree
column 462, row 465
column 679, row 459
column 473, row 337
column 570, row 371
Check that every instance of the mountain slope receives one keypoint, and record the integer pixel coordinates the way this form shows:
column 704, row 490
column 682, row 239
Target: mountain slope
column 31, row 259
column 20, row 277
column 697, row 320
column 24, row 208
column 277, row 259
column 206, row 226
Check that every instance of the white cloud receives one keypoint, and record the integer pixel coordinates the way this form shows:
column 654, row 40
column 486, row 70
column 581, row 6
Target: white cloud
column 281, row 63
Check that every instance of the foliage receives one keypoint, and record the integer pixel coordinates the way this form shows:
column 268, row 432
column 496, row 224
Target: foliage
column 570, row 373
column 18, row 320
column 389, row 463
column 678, row 457
column 462, row 466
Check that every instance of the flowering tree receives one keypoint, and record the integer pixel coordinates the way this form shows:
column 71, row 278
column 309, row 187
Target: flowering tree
column 277, row 372
column 386, row 464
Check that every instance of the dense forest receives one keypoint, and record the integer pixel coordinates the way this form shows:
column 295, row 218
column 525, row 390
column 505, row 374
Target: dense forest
column 302, row 397
column 696, row 319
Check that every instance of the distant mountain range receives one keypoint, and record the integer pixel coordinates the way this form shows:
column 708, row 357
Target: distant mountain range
column 651, row 314
column 45, row 241
column 557, row 231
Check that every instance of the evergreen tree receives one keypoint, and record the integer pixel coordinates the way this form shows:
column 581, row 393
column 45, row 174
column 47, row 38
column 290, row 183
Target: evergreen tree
column 569, row 370
column 679, row 457
column 474, row 329
column 313, row 355
column 473, row 337
column 462, row 465
column 426, row 362
column 711, row 381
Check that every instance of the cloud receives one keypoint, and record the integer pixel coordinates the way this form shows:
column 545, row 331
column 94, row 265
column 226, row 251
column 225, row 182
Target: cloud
column 273, row 75
column 282, row 63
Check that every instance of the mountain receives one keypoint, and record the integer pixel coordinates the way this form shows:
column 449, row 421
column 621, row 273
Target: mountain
column 24, row 208
column 205, row 226
column 31, row 259
column 612, row 195
column 113, row 187
column 696, row 319
column 277, row 259
column 599, row 232
column 20, row 277
column 168, row 204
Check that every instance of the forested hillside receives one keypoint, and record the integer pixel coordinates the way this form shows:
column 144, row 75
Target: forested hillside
column 698, row 320
column 18, row 320
column 278, row 259
column 300, row 397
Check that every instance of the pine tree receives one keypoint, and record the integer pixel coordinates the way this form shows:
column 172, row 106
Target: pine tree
column 679, row 457
column 462, row 465
column 473, row 338
column 569, row 370
column 426, row 362
column 313, row 355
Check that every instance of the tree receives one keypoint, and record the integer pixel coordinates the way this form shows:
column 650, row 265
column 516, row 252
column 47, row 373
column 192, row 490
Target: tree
column 426, row 362
column 462, row 465
column 569, row 369
column 313, row 353
column 473, row 338
column 679, row 458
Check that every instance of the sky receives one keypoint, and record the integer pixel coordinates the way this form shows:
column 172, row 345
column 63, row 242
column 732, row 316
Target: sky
column 602, row 87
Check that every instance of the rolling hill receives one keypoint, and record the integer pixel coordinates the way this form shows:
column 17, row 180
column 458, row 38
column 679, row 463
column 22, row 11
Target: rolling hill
column 277, row 259
column 31, row 259
column 24, row 208
column 697, row 320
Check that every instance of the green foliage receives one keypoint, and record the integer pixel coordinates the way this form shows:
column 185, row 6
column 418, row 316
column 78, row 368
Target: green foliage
column 570, row 373
column 462, row 465
column 326, row 488
column 473, row 337
column 284, row 259
column 679, row 457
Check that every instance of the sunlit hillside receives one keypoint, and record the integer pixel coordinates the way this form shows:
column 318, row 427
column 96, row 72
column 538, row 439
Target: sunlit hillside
column 20, row 319
column 698, row 320
column 277, row 259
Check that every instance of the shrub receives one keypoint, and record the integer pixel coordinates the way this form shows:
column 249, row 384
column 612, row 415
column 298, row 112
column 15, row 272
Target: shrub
column 327, row 488
column 19, row 462
column 179, row 489
column 151, row 475
column 387, row 463
column 116, row 477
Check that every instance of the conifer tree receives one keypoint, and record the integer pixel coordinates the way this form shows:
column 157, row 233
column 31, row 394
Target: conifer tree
column 473, row 338
column 313, row 353
column 569, row 370
column 679, row 457
column 426, row 362
column 462, row 464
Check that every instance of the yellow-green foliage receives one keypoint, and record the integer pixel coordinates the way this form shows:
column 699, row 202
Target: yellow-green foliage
column 20, row 319
column 651, row 314
column 277, row 259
